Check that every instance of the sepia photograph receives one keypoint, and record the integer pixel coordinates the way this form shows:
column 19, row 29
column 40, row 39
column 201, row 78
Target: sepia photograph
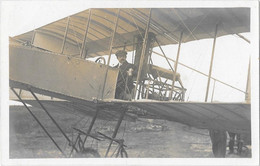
column 129, row 82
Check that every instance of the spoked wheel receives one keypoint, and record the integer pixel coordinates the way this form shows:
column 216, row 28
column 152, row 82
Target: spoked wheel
column 87, row 153
column 123, row 153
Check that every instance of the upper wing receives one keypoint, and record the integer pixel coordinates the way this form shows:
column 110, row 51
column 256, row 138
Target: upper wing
column 166, row 23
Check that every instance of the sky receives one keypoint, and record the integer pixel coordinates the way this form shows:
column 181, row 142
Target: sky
column 231, row 57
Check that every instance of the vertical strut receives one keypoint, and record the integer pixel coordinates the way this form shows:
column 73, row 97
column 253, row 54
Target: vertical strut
column 143, row 52
column 38, row 122
column 110, row 52
column 116, row 128
column 175, row 65
column 86, row 34
column 248, row 87
column 33, row 37
column 65, row 36
column 213, row 91
column 91, row 125
column 211, row 63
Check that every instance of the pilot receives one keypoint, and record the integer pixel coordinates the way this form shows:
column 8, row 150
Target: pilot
column 125, row 77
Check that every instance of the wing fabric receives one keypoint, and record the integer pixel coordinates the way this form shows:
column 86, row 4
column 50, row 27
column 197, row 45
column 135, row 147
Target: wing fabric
column 233, row 117
column 166, row 23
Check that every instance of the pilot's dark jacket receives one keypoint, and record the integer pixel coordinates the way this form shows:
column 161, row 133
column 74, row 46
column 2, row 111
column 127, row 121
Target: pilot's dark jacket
column 124, row 79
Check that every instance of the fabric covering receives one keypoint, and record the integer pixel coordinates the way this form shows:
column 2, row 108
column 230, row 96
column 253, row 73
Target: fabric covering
column 166, row 23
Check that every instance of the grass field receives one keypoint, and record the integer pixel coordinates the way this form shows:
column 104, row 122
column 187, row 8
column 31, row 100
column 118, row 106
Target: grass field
column 144, row 138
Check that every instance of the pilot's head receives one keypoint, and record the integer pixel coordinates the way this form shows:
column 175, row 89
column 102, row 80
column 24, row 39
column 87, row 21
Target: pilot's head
column 121, row 56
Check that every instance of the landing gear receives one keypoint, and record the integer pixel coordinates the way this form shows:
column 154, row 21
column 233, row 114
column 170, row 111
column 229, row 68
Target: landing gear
column 120, row 148
column 87, row 153
column 122, row 151
column 82, row 152
column 78, row 149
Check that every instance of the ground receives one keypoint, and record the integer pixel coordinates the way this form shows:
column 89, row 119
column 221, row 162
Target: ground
column 144, row 138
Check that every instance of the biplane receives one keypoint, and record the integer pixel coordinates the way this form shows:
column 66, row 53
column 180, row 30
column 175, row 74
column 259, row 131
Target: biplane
column 56, row 60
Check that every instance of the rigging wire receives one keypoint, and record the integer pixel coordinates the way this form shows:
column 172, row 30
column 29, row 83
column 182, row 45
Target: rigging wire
column 86, row 122
column 191, row 31
column 124, row 130
column 79, row 121
column 192, row 74
column 174, row 10
column 157, row 28
column 135, row 23
column 195, row 27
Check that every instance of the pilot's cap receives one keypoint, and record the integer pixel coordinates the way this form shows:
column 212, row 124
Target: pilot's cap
column 121, row 53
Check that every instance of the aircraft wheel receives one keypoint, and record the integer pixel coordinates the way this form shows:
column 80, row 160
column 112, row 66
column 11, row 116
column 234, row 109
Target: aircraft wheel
column 123, row 153
column 87, row 153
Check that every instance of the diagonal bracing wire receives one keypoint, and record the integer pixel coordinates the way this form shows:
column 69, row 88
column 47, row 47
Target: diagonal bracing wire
column 191, row 33
column 195, row 27
column 139, row 31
